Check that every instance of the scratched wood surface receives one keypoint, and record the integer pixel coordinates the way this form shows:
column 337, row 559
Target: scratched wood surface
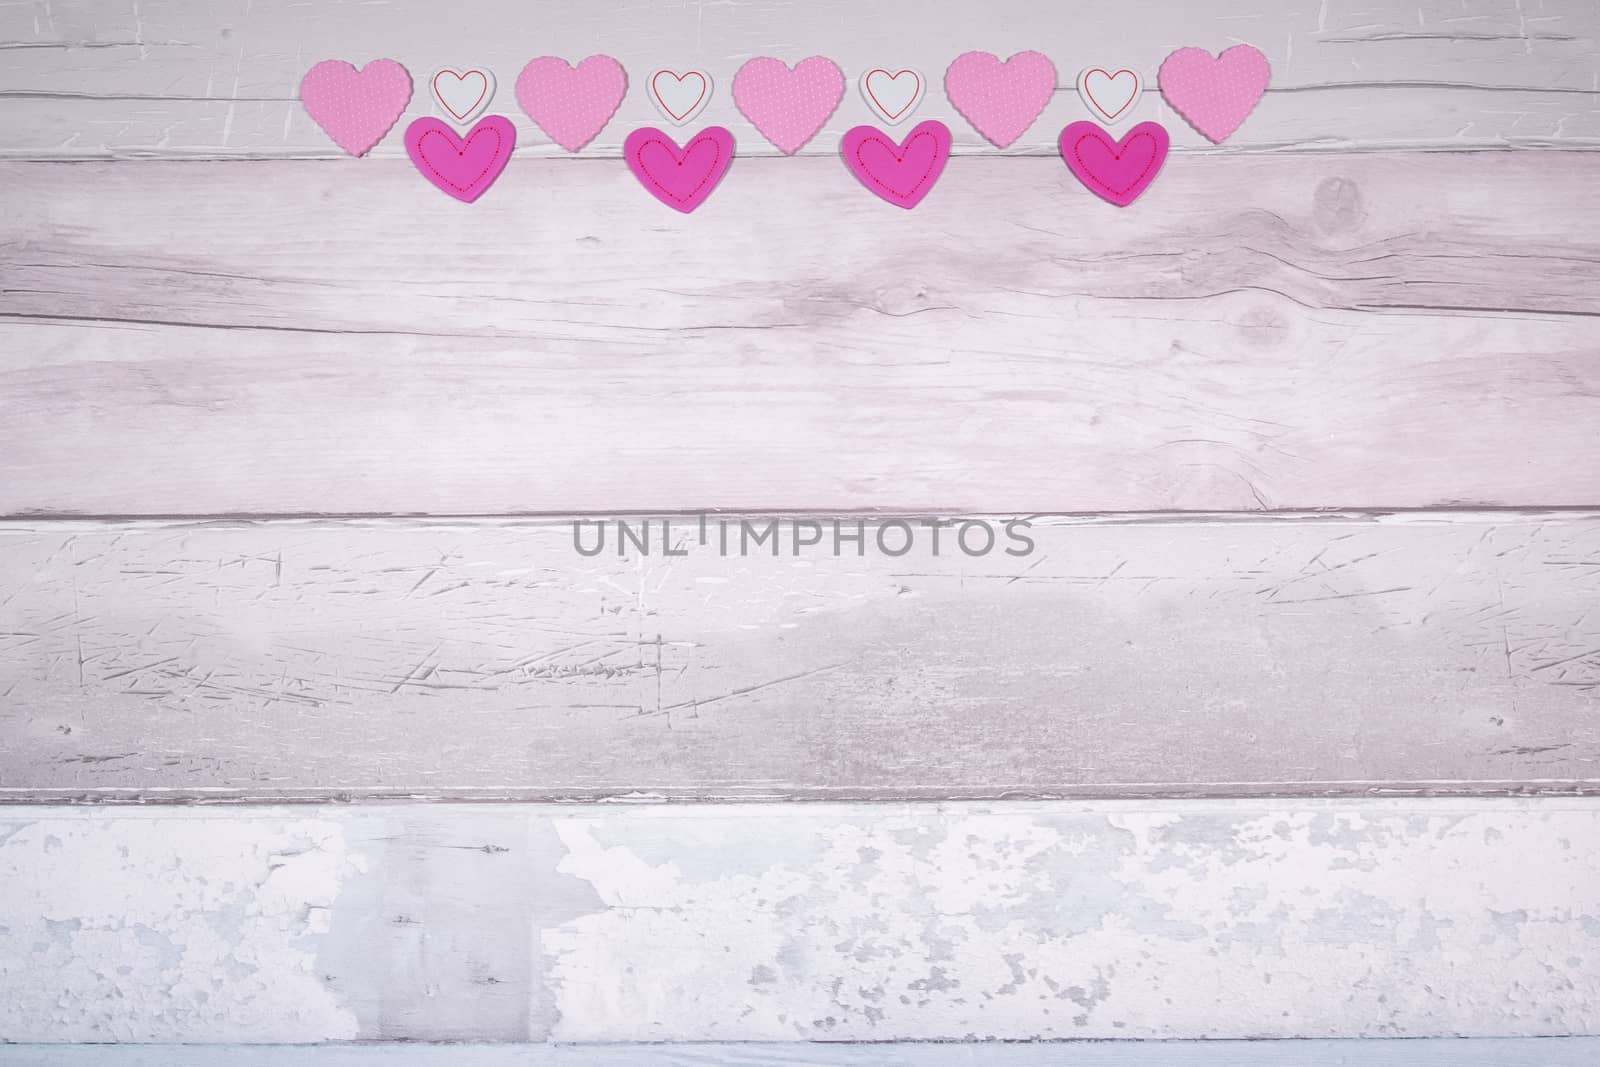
column 1358, row 331
column 1441, row 1052
column 199, row 78
column 802, row 922
column 489, row 659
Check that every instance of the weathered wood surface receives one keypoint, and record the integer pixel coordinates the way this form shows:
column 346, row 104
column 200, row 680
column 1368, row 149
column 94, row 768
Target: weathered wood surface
column 1443, row 1052
column 1307, row 317
column 1407, row 330
column 872, row 922
column 174, row 78
column 488, row 659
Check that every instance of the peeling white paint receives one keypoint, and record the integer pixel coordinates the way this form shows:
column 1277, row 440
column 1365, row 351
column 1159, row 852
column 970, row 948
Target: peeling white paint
column 1019, row 924
column 1158, row 920
column 168, row 928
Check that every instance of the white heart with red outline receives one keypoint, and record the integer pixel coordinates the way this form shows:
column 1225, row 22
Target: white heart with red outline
column 462, row 95
column 680, row 97
column 1112, row 95
column 893, row 96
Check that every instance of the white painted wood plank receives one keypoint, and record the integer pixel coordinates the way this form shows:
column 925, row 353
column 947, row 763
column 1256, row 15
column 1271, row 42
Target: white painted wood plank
column 179, row 78
column 259, row 660
column 957, row 921
column 1401, row 331
column 1445, row 1052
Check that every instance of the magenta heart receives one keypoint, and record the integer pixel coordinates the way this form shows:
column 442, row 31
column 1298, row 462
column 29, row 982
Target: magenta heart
column 900, row 173
column 788, row 106
column 680, row 178
column 464, row 168
column 356, row 107
column 1117, row 171
column 1215, row 94
column 572, row 104
column 1001, row 100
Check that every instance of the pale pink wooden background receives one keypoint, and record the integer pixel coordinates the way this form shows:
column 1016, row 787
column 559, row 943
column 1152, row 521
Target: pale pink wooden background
column 289, row 444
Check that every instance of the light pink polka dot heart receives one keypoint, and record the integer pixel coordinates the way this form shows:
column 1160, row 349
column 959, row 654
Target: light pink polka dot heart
column 788, row 106
column 1001, row 100
column 356, row 107
column 1215, row 93
column 572, row 104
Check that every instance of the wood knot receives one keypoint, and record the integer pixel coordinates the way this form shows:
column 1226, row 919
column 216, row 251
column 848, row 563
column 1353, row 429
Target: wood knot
column 1337, row 206
column 1265, row 327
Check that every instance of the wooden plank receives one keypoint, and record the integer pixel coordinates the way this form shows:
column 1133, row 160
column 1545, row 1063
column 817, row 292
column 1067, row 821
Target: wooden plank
column 488, row 659
column 183, row 78
column 1399, row 331
column 1510, row 1052
column 1145, row 920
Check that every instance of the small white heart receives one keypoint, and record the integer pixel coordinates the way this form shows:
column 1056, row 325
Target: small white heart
column 462, row 95
column 1112, row 95
column 680, row 97
column 893, row 97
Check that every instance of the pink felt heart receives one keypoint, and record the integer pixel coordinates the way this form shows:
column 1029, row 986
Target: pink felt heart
column 680, row 178
column 1117, row 171
column 1001, row 100
column 572, row 104
column 788, row 106
column 356, row 107
column 1216, row 94
column 462, row 167
column 900, row 173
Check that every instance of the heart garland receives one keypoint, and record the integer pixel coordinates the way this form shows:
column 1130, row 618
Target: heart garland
column 788, row 105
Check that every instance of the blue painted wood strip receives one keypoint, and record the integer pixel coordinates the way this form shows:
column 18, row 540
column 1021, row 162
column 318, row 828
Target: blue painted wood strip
column 1525, row 1052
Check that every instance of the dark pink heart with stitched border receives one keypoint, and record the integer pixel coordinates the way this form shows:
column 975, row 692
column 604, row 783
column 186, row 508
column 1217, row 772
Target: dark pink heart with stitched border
column 680, row 178
column 1115, row 171
column 462, row 167
column 900, row 173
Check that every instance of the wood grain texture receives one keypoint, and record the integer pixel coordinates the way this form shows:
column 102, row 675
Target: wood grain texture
column 1361, row 301
column 1407, row 330
column 1479, row 1052
column 821, row 922
column 197, row 78
column 1444, row 653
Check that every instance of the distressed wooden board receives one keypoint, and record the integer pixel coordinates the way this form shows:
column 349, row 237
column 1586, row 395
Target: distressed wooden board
column 299, row 659
column 874, row 922
column 202, row 78
column 1445, row 1052
column 1401, row 331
